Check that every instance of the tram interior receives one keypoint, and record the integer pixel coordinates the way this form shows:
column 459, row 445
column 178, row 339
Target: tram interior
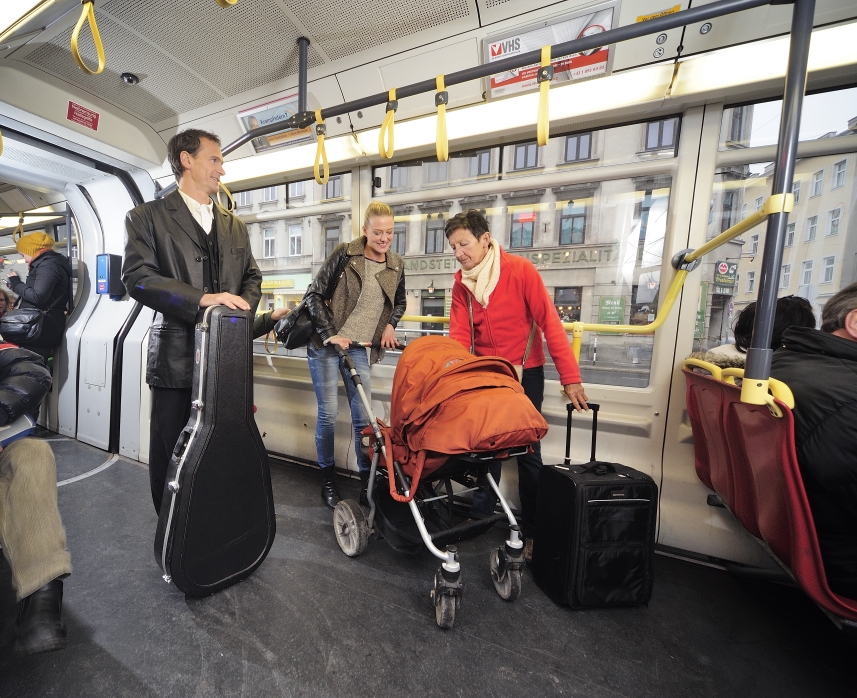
column 670, row 144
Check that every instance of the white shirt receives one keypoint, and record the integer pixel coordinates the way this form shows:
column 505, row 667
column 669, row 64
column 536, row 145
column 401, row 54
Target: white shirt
column 202, row 213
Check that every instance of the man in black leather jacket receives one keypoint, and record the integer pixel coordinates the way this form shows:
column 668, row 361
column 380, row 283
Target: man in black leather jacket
column 31, row 531
column 820, row 367
column 183, row 253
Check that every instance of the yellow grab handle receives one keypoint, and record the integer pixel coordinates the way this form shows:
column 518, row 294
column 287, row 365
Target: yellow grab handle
column 87, row 14
column 545, row 77
column 267, row 337
column 386, row 140
column 230, row 200
column 320, row 152
column 19, row 231
column 226, row 4
column 441, row 99
column 715, row 370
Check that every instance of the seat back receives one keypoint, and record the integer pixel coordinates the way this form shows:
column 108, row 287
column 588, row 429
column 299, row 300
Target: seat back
column 709, row 444
column 765, row 444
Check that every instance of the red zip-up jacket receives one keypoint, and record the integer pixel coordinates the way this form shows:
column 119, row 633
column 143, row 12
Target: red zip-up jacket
column 502, row 329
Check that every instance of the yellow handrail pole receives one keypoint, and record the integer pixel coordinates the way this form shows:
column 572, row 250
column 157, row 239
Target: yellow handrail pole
column 386, row 140
column 441, row 99
column 87, row 14
column 320, row 152
column 226, row 4
column 576, row 339
column 544, row 77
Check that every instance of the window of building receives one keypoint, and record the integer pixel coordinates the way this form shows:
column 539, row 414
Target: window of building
column 523, row 225
column 838, row 175
column 572, row 223
column 480, row 163
column 827, row 270
column 526, row 155
column 244, row 198
column 567, row 303
column 331, row 239
column 435, row 240
column 269, row 194
column 736, row 127
column 811, row 228
column 399, row 238
column 833, row 223
column 578, row 147
column 790, row 235
column 751, row 282
column 295, row 238
column 796, row 191
column 661, row 134
column 333, row 188
column 785, row 276
column 806, row 273
column 754, row 244
column 436, row 171
column 743, row 213
column 296, row 190
column 269, row 240
column 817, row 183
column 729, row 207
column 759, row 202
column 398, row 176
column 433, row 305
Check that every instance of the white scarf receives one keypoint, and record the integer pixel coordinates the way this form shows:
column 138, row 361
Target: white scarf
column 483, row 278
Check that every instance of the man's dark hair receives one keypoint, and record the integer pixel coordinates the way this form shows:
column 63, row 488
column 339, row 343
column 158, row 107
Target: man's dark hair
column 837, row 308
column 791, row 312
column 471, row 219
column 186, row 141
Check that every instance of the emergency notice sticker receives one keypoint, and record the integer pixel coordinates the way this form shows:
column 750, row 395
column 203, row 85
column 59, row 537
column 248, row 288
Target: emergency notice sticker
column 83, row 116
column 587, row 64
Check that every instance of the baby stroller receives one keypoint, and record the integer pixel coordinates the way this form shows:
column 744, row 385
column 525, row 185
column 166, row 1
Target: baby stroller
column 451, row 415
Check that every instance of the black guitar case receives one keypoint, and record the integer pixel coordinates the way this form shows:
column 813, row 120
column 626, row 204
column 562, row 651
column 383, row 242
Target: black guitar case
column 217, row 523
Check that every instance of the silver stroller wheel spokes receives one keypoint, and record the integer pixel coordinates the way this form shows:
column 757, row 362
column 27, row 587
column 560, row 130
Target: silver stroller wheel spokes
column 509, row 585
column 349, row 525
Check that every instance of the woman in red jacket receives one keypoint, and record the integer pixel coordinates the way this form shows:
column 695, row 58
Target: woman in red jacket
column 510, row 310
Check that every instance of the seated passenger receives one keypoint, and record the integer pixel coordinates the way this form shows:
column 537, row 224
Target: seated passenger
column 500, row 307
column 791, row 312
column 820, row 367
column 31, row 531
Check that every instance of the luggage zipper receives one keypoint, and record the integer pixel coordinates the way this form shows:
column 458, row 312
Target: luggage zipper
column 615, row 501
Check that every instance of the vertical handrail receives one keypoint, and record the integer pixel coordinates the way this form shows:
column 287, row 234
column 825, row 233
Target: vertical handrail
column 758, row 367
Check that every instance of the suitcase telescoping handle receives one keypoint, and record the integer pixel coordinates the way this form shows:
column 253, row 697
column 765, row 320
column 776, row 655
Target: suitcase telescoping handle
column 593, row 407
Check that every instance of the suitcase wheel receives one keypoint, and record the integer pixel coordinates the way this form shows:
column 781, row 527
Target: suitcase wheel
column 349, row 524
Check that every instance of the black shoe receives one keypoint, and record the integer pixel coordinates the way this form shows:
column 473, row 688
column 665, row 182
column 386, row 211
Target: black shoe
column 364, row 485
column 329, row 494
column 40, row 628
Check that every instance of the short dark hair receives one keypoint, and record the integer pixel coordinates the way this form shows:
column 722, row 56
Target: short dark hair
column 837, row 308
column 791, row 311
column 189, row 141
column 472, row 219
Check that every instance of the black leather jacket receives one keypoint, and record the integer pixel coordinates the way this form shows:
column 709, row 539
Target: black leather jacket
column 163, row 269
column 333, row 295
column 24, row 382
column 47, row 288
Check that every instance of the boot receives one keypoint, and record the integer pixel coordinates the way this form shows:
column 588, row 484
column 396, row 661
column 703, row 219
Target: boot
column 364, row 486
column 329, row 493
column 39, row 627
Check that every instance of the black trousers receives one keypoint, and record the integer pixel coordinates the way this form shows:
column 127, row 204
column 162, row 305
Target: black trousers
column 484, row 500
column 170, row 414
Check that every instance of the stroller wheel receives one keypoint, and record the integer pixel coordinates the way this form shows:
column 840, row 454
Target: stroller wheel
column 444, row 611
column 349, row 524
column 509, row 587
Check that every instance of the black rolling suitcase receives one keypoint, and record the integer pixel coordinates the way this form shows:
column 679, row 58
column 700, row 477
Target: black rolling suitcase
column 595, row 531
column 217, row 523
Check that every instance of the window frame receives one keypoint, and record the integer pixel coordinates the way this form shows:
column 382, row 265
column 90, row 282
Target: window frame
column 831, row 218
column 754, row 244
column 790, row 234
column 296, row 250
column 266, row 239
column 434, row 233
column 269, row 194
column 811, row 233
column 825, row 268
column 296, row 189
column 477, row 158
column 750, row 282
column 399, row 243
column 785, row 275
column 572, row 217
column 806, row 267
column 576, row 138
column 328, row 239
column 796, row 191
column 526, row 148
column 839, row 174
column 523, row 224
column 244, row 198
column 817, row 183
column 334, row 183
column 660, row 137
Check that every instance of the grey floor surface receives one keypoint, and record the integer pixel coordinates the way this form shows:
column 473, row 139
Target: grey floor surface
column 312, row 622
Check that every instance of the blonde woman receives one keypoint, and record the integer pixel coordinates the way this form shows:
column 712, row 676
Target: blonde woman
column 358, row 296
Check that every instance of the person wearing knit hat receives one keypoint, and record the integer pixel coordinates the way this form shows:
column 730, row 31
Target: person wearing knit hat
column 48, row 288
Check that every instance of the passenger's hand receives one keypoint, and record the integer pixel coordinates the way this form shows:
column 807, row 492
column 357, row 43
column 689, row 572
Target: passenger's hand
column 342, row 342
column 279, row 314
column 575, row 393
column 388, row 339
column 11, row 274
column 227, row 299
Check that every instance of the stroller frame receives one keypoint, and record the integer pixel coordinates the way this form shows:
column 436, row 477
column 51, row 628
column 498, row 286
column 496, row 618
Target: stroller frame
column 353, row 528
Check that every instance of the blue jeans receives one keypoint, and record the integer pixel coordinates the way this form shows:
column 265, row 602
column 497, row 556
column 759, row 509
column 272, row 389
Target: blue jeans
column 325, row 367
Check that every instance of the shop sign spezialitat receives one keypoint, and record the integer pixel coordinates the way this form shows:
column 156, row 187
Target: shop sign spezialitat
column 562, row 257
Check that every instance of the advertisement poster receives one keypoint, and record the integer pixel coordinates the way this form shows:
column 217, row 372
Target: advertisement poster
column 611, row 311
column 574, row 67
column 725, row 273
column 271, row 113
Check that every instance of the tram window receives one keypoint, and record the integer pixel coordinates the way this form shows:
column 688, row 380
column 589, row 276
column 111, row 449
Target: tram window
column 567, row 302
column 435, row 239
column 577, row 147
column 400, row 232
column 790, row 235
column 572, row 223
column 244, row 198
column 828, row 265
column 331, row 239
column 785, row 276
column 526, row 155
column 838, row 175
column 824, row 115
column 333, row 188
column 661, row 134
column 295, row 240
column 269, row 194
column 806, row 272
column 811, row 228
column 269, row 238
column 523, row 223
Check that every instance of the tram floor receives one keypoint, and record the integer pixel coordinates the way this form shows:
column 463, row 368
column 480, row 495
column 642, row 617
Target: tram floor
column 313, row 622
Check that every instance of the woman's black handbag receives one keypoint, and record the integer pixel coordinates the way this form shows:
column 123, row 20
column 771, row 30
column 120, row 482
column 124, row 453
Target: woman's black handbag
column 22, row 325
column 295, row 329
